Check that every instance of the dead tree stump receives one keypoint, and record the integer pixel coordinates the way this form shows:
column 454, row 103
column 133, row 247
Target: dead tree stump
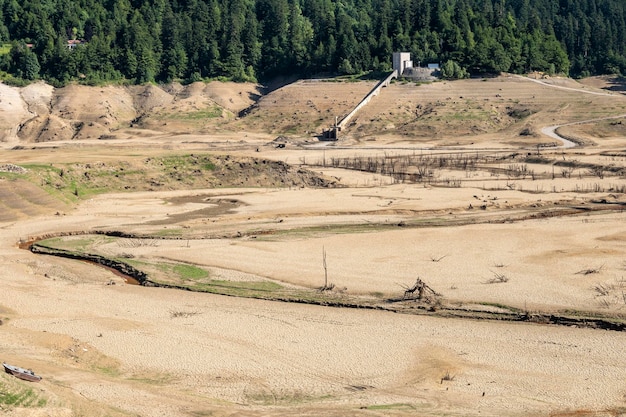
column 424, row 292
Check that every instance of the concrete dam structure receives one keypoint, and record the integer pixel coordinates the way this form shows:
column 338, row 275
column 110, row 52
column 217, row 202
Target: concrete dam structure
column 402, row 67
column 333, row 132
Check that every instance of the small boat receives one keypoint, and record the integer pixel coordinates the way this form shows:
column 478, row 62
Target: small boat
column 25, row 374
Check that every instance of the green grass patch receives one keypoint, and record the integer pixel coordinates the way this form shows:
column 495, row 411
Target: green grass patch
column 171, row 273
column 614, row 317
column 12, row 175
column 75, row 244
column 284, row 398
column 500, row 306
column 74, row 181
column 18, row 395
column 290, row 130
column 53, row 243
column 156, row 379
column 13, row 81
column 108, row 370
column 170, row 232
column 53, row 180
column 41, row 167
column 184, row 271
column 211, row 112
column 198, row 279
column 185, row 162
column 316, row 231
column 470, row 115
column 396, row 406
column 239, row 288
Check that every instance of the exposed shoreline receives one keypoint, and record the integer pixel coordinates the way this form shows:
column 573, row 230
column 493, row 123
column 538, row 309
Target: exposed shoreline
column 524, row 243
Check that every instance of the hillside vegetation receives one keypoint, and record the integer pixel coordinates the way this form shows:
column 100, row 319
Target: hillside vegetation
column 96, row 41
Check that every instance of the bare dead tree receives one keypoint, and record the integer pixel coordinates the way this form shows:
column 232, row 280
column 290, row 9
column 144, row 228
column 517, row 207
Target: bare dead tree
column 567, row 172
column 497, row 278
column 589, row 271
column 325, row 267
column 327, row 286
column 424, row 292
column 597, row 171
column 437, row 258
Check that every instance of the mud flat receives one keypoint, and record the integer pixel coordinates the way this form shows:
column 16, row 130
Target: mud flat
column 537, row 235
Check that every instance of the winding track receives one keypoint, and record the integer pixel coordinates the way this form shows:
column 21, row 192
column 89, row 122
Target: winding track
column 551, row 130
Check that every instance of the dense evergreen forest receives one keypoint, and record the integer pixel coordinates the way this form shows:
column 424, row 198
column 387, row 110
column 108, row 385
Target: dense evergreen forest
column 141, row 41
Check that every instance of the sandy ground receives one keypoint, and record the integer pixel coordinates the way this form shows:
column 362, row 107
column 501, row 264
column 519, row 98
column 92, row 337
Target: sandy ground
column 225, row 354
column 107, row 348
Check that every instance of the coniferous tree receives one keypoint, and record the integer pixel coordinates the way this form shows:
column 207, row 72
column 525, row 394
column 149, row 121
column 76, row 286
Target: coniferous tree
column 23, row 62
column 163, row 40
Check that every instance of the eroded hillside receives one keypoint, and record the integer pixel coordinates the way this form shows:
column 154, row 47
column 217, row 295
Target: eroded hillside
column 507, row 110
column 41, row 113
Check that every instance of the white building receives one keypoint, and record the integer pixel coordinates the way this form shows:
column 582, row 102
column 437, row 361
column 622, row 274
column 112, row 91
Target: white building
column 402, row 61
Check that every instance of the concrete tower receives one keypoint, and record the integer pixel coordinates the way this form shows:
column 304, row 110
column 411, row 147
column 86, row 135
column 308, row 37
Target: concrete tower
column 402, row 61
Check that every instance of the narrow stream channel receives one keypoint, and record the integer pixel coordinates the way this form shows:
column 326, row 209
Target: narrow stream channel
column 28, row 245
